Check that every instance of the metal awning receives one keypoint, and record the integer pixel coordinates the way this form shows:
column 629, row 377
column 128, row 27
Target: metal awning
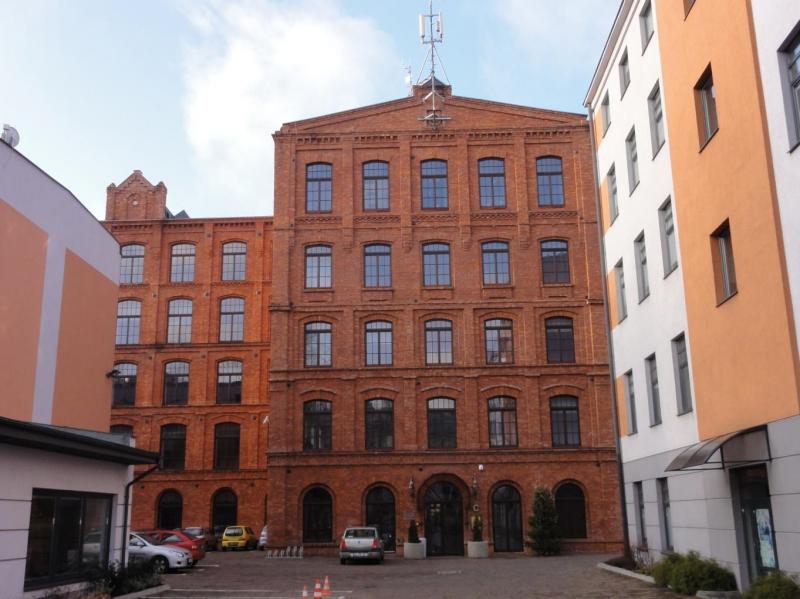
column 743, row 447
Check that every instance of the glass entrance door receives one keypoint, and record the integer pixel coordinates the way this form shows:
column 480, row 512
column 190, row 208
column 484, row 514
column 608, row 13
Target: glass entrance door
column 756, row 519
column 444, row 520
column 380, row 514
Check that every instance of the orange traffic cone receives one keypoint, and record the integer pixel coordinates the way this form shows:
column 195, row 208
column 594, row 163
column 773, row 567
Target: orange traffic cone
column 305, row 591
column 317, row 591
column 326, row 588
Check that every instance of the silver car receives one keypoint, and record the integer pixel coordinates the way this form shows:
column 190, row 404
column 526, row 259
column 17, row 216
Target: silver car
column 361, row 542
column 163, row 557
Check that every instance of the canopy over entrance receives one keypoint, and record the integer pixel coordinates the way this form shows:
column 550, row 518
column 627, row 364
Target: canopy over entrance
column 731, row 449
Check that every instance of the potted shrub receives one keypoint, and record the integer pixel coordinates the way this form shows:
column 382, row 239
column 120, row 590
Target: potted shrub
column 476, row 546
column 413, row 548
column 543, row 536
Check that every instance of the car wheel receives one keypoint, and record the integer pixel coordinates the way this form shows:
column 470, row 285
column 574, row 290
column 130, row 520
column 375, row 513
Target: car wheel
column 160, row 564
column 224, row 548
column 342, row 561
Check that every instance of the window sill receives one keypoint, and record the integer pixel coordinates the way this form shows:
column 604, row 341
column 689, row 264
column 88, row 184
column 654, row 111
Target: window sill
column 622, row 319
column 503, row 207
column 131, row 284
column 726, row 298
column 307, row 211
column 578, row 446
column 314, row 366
column 500, row 363
column 372, row 210
column 561, row 362
column 708, row 141
column 552, row 206
column 557, row 285
column 434, row 208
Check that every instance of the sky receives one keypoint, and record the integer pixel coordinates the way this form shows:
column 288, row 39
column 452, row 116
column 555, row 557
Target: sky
column 189, row 91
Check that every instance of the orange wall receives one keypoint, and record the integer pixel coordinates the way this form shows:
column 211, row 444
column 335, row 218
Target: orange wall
column 82, row 395
column 23, row 249
column 742, row 351
column 613, row 300
column 622, row 406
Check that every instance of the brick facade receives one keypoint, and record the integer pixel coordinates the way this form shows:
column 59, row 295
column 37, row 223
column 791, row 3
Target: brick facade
column 392, row 132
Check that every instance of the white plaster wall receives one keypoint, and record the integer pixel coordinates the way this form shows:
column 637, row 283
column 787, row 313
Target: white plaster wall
column 22, row 470
column 652, row 324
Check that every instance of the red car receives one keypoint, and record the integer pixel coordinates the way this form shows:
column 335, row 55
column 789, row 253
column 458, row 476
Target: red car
column 181, row 539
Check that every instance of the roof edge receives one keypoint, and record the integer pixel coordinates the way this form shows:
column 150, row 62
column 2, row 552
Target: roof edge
column 611, row 41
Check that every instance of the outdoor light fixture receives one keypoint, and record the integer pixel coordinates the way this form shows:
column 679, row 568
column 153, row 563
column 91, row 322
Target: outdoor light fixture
column 411, row 487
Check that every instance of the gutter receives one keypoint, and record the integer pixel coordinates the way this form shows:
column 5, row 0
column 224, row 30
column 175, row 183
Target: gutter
column 126, row 509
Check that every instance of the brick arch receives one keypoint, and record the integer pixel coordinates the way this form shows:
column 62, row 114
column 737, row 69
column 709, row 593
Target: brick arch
column 318, row 393
column 214, row 419
column 223, row 242
column 378, row 315
column 506, row 389
column 586, row 500
column 164, row 419
column 377, row 392
column 490, row 239
column 373, row 485
column 463, row 488
column 321, row 317
column 301, row 497
column 565, row 312
column 446, row 391
column 388, row 242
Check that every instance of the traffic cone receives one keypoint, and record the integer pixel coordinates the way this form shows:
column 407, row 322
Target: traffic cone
column 305, row 591
column 326, row 588
column 317, row 591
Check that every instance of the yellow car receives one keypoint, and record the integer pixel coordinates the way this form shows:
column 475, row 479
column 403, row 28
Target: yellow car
column 239, row 537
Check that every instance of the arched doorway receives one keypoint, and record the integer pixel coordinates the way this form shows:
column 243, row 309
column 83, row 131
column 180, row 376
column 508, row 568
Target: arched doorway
column 571, row 510
column 170, row 510
column 317, row 516
column 380, row 513
column 224, row 508
column 444, row 519
column 507, row 519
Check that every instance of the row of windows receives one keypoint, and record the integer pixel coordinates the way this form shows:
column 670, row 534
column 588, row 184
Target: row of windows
column 434, row 184
column 182, row 262
column 495, row 263
column 498, row 342
column 179, row 320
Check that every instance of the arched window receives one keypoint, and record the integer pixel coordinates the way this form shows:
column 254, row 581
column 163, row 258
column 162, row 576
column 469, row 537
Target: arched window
column 441, row 423
column 234, row 261
column 176, row 383
column 317, row 419
column 379, row 424
column 224, row 505
column 169, row 510
column 317, row 516
column 381, row 514
column 378, row 343
column 179, row 323
column 317, row 344
column 129, row 314
column 434, row 183
column 555, row 261
column 131, row 264
column 564, row 421
column 503, row 422
column 492, row 182
column 318, row 266
column 182, row 263
column 559, row 339
column 378, row 265
column 507, row 519
column 173, row 447
column 319, row 187
column 229, row 382
column 495, row 263
column 435, row 264
column 438, row 342
column 231, row 319
column 550, row 180
column 124, row 389
column 499, row 337
column 376, row 185
column 226, row 446
column 571, row 510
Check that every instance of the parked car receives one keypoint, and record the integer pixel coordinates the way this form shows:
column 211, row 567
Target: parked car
column 180, row 539
column 263, row 539
column 361, row 542
column 163, row 557
column 204, row 535
column 239, row 537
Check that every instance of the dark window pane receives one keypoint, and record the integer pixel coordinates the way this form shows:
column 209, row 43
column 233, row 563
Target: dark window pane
column 499, row 341
column 502, row 422
column 317, row 418
column 173, row 447
column 318, row 187
column 438, row 342
column 131, row 266
column 492, row 182
column 231, row 319
column 495, row 263
column 434, row 183
column 564, row 421
column 317, row 516
column 128, row 321
column 379, row 424
column 441, row 423
column 229, row 382
column 555, row 261
column 559, row 340
column 226, row 446
column 571, row 510
column 176, row 383
column 550, row 181
column 179, row 323
column 234, row 261
column 317, row 344
column 124, row 387
column 170, row 510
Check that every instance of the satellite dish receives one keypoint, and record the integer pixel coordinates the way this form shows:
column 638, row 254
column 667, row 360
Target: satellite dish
column 10, row 136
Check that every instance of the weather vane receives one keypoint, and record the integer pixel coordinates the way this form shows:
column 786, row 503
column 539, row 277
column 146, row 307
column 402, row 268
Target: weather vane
column 432, row 33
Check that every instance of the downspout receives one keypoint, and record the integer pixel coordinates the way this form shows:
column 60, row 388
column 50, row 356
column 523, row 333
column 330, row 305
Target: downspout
column 621, row 473
column 124, row 548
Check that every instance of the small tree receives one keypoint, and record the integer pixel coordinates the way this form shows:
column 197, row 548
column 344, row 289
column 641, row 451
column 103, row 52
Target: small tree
column 413, row 534
column 476, row 527
column 543, row 535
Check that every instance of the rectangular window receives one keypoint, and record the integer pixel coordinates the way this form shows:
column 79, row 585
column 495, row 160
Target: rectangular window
column 319, row 187
column 494, row 256
column 131, row 265
column 669, row 248
column 630, row 400
column 646, row 24
column 376, row 185
column 682, row 383
column 653, row 394
column 641, row 527
column 378, row 265
column 435, row 264
column 434, row 183
column 642, row 279
column 555, row 261
column 379, row 424
column 173, row 447
column 319, row 269
column 492, row 182
column 378, row 343
column 441, row 423
column 624, row 73
column 666, row 513
column 724, row 271
column 622, row 302
column 226, row 446
column 792, row 55
column 605, row 113
column 706, row 100
column 656, row 119
column 234, row 261
column 633, row 161
column 564, row 421
column 438, row 342
column 613, row 199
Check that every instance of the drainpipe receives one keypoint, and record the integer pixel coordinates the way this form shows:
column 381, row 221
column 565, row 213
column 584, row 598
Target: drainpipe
column 140, row 476
column 621, row 473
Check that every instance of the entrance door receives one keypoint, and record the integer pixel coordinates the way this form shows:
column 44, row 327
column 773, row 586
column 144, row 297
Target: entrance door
column 444, row 520
column 380, row 514
column 507, row 519
column 223, row 510
column 756, row 514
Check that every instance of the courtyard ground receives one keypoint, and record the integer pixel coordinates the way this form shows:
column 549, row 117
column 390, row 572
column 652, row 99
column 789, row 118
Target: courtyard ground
column 249, row 575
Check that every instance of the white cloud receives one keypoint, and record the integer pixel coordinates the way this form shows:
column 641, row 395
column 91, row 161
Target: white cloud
column 254, row 65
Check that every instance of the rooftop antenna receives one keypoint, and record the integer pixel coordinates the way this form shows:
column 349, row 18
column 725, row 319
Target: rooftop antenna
column 434, row 35
column 10, row 136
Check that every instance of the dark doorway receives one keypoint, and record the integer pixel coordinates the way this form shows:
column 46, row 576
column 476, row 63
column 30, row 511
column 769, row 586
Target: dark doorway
column 317, row 516
column 380, row 514
column 756, row 515
column 170, row 510
column 444, row 520
column 507, row 519
column 223, row 509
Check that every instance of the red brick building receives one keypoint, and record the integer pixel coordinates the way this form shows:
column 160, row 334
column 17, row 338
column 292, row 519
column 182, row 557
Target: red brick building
column 438, row 319
column 192, row 357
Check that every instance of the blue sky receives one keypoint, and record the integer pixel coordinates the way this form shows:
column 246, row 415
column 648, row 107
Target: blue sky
column 189, row 91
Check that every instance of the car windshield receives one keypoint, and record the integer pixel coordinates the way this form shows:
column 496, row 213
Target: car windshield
column 195, row 532
column 359, row 533
column 234, row 531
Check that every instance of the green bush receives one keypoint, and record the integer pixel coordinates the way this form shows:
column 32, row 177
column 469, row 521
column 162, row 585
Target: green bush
column 117, row 580
column 776, row 585
column 692, row 574
column 543, row 524
column 662, row 569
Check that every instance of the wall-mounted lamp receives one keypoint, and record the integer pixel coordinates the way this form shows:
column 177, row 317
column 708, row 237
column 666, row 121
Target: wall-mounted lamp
column 411, row 487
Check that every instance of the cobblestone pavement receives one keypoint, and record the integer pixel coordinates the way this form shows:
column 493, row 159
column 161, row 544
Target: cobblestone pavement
column 249, row 575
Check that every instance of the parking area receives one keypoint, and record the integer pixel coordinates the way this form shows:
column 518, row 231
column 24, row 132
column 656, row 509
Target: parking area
column 249, row 575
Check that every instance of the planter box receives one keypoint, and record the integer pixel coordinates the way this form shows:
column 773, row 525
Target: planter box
column 414, row 550
column 478, row 549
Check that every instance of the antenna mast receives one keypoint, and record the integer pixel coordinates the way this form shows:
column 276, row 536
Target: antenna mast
column 434, row 35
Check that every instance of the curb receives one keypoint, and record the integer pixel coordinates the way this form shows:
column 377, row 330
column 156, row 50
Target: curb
column 628, row 573
column 145, row 593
